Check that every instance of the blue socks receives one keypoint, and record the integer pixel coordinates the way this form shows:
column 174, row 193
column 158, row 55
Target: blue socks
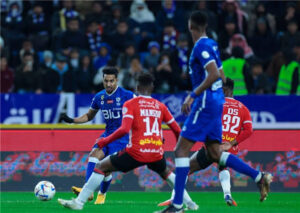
column 90, row 167
column 105, row 184
column 238, row 165
column 182, row 170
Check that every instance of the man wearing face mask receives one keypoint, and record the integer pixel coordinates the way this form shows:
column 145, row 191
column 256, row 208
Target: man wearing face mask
column 45, row 68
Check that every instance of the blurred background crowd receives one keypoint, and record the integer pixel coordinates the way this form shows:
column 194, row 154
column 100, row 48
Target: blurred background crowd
column 61, row 46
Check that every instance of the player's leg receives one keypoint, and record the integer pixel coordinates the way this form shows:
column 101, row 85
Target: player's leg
column 111, row 149
column 90, row 186
column 160, row 167
column 94, row 157
column 122, row 161
column 199, row 160
column 224, row 177
column 226, row 159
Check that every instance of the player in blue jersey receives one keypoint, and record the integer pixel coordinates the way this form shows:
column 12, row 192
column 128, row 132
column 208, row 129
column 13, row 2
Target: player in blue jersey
column 110, row 102
column 205, row 106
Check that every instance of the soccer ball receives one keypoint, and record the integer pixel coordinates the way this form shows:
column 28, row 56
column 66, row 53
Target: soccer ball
column 44, row 190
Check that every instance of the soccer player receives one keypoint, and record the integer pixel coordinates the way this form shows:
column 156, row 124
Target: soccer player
column 205, row 106
column 110, row 102
column 142, row 117
column 237, row 127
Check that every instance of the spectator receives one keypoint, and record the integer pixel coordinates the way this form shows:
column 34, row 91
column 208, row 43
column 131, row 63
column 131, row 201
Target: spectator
column 179, row 58
column 258, row 82
column 74, row 60
column 128, row 76
column 97, row 14
column 230, row 8
column 44, row 69
column 151, row 60
column 141, row 24
column 59, row 19
column 261, row 13
column 6, row 76
column 171, row 13
column 72, row 38
column 236, row 68
column 122, row 36
column 239, row 40
column 116, row 16
column 84, row 77
column 26, row 78
column 125, row 58
column 60, row 78
column 27, row 46
column 289, row 38
column 38, row 27
column 104, row 56
column 13, row 28
column 288, row 79
column 289, row 15
column 263, row 41
column 165, row 74
column 169, row 36
column 225, row 35
column 94, row 36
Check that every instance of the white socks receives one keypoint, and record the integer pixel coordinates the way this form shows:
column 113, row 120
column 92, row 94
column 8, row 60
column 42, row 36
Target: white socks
column 94, row 160
column 89, row 187
column 224, row 177
column 171, row 181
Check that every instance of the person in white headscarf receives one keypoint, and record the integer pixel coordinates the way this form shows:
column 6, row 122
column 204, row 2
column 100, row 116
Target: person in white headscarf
column 140, row 13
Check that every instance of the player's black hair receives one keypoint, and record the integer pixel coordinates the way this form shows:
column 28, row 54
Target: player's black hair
column 198, row 19
column 145, row 80
column 110, row 71
column 229, row 84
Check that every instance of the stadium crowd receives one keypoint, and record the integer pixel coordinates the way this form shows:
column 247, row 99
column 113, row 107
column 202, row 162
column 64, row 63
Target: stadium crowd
column 61, row 46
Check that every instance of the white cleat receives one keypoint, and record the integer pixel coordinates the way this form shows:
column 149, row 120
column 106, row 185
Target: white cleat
column 70, row 204
column 192, row 206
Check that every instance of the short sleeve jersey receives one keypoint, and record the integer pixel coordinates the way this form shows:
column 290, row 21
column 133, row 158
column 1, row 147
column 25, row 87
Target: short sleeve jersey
column 111, row 107
column 235, row 114
column 204, row 52
column 145, row 137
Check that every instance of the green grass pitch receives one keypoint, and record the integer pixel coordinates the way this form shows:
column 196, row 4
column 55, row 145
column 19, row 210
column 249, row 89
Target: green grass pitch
column 134, row 202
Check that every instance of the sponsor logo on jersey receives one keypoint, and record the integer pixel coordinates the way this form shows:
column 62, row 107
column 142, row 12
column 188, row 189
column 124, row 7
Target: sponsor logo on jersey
column 102, row 97
column 227, row 138
column 151, row 141
column 110, row 101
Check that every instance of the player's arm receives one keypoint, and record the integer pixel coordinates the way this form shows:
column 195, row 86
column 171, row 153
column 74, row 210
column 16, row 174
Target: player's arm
column 82, row 119
column 124, row 129
column 246, row 129
column 171, row 122
column 213, row 75
column 222, row 75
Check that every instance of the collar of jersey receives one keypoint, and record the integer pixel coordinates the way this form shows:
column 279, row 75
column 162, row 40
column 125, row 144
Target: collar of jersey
column 112, row 92
column 145, row 96
column 201, row 38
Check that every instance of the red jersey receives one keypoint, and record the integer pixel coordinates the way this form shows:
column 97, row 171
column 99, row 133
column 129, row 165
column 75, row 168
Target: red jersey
column 145, row 137
column 236, row 121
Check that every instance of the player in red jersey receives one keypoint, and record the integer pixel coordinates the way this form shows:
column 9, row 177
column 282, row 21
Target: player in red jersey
column 237, row 126
column 142, row 119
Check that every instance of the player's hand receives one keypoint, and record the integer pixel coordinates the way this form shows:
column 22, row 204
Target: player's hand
column 226, row 146
column 66, row 118
column 186, row 107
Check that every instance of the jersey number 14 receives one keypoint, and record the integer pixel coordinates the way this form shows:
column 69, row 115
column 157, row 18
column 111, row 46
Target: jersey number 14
column 151, row 130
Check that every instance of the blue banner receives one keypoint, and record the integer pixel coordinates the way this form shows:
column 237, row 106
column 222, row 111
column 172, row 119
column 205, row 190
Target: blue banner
column 266, row 111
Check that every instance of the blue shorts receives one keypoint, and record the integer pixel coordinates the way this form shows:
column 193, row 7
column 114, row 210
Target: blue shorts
column 204, row 122
column 113, row 147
